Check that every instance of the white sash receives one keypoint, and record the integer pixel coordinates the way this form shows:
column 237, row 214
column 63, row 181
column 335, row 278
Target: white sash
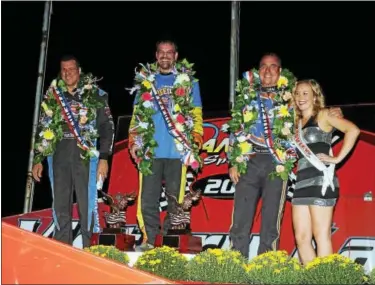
column 328, row 172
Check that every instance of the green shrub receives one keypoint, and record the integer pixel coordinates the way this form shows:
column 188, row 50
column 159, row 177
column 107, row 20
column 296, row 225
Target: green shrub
column 217, row 265
column 163, row 261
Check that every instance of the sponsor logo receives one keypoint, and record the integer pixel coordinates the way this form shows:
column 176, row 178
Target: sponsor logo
column 215, row 147
column 215, row 186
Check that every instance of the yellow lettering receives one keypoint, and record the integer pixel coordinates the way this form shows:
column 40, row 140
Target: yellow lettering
column 224, row 144
column 209, row 145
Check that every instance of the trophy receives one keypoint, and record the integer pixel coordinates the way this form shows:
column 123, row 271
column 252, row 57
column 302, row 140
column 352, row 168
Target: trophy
column 116, row 219
column 179, row 234
column 114, row 233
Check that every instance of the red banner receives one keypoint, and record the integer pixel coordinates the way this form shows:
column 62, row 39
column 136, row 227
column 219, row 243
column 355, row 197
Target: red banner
column 353, row 233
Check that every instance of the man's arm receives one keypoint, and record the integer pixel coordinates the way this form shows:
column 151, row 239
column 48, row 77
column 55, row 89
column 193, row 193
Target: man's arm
column 197, row 115
column 106, row 130
column 335, row 112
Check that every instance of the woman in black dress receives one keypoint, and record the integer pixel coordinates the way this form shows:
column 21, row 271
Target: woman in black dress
column 317, row 188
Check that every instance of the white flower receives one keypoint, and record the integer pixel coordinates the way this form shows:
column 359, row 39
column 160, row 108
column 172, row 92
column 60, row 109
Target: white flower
column 181, row 78
column 288, row 125
column 241, row 139
column 147, row 104
column 133, row 89
column 224, row 128
column 83, row 112
column 54, row 83
column 87, row 86
column 49, row 113
column 239, row 159
column 143, row 125
column 189, row 122
column 287, row 96
column 40, row 148
column 44, row 142
column 180, row 127
column 179, row 146
column 285, row 131
column 92, row 130
column 94, row 152
column 280, row 168
column 151, row 78
column 246, row 97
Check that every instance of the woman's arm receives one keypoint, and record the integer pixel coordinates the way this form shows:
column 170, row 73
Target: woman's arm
column 351, row 132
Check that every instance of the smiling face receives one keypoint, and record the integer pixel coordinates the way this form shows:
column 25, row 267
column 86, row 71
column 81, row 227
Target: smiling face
column 69, row 73
column 269, row 70
column 166, row 56
column 304, row 97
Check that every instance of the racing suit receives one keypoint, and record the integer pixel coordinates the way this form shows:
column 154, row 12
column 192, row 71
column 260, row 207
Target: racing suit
column 252, row 185
column 167, row 165
column 68, row 173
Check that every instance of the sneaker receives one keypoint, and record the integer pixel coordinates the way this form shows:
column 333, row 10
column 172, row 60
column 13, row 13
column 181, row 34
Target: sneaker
column 146, row 247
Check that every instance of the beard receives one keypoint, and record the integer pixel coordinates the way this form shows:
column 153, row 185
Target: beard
column 165, row 64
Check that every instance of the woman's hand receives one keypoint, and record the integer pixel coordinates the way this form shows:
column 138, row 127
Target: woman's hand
column 328, row 159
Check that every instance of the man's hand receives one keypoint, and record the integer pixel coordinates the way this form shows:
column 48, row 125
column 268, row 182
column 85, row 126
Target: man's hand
column 198, row 140
column 102, row 169
column 37, row 171
column 335, row 112
column 234, row 174
column 133, row 152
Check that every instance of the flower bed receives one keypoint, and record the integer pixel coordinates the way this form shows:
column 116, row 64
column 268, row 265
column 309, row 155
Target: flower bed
column 372, row 277
column 228, row 266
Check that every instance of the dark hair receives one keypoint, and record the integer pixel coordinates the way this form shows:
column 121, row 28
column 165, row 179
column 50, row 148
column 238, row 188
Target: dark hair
column 158, row 43
column 68, row 57
column 271, row 54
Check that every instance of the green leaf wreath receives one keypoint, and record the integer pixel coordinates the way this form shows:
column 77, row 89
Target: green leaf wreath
column 51, row 121
column 181, row 114
column 245, row 114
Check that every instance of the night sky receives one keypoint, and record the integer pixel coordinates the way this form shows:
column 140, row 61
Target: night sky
column 330, row 42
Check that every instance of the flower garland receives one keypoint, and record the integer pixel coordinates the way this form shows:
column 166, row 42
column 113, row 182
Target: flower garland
column 246, row 112
column 181, row 115
column 52, row 122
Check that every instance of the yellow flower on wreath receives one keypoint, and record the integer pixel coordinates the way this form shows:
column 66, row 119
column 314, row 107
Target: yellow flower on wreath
column 146, row 84
column 283, row 81
column 245, row 147
column 281, row 154
column 248, row 116
column 177, row 108
column 48, row 134
column 283, row 111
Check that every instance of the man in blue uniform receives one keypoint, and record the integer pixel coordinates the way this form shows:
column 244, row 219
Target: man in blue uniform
column 167, row 163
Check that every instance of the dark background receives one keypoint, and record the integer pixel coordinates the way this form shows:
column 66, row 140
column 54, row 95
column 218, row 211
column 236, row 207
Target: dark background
column 330, row 42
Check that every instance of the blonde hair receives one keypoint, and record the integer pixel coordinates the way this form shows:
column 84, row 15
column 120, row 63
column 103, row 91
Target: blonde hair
column 319, row 101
